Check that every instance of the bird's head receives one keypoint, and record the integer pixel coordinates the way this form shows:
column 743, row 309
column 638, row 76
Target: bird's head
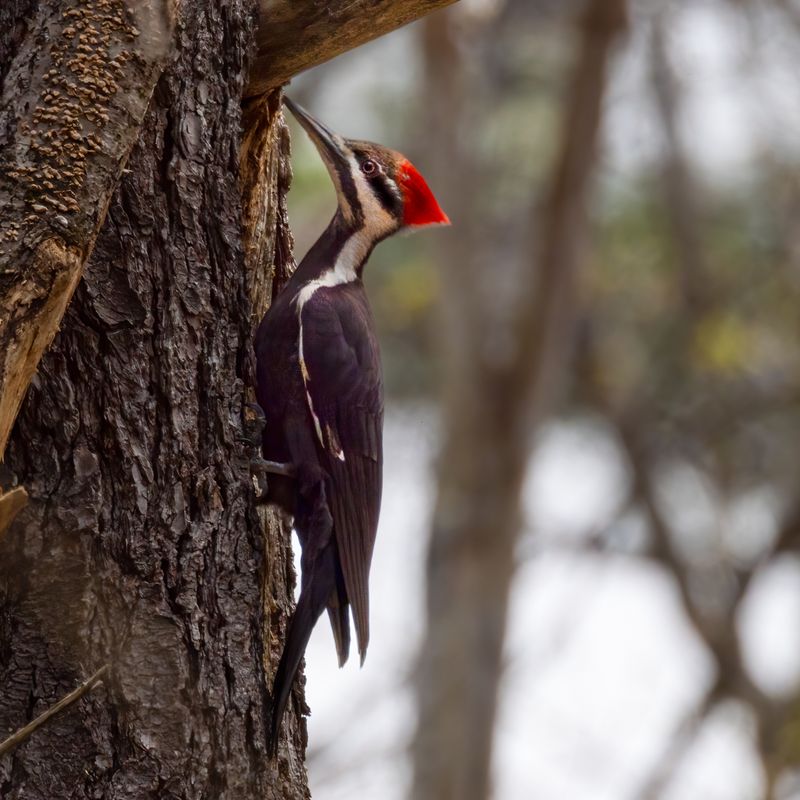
column 377, row 188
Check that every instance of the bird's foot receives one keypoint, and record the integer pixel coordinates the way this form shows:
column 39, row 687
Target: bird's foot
column 260, row 468
column 259, row 478
column 253, row 425
column 263, row 466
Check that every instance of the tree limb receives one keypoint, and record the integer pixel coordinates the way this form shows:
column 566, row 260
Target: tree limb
column 18, row 737
column 547, row 311
column 294, row 36
column 73, row 98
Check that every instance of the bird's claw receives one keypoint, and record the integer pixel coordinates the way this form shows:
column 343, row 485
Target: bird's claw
column 260, row 468
column 253, row 425
column 274, row 467
column 258, row 475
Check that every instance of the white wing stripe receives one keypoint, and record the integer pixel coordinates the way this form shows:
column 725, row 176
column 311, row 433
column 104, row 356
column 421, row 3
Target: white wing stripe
column 343, row 271
column 304, row 373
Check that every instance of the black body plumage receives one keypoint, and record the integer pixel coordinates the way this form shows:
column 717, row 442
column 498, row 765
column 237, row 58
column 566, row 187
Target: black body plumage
column 335, row 501
column 321, row 388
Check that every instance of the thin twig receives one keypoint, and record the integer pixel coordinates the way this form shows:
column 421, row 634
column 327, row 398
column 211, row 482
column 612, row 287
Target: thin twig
column 11, row 503
column 23, row 733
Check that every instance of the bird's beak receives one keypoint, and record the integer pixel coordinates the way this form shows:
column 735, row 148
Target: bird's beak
column 329, row 144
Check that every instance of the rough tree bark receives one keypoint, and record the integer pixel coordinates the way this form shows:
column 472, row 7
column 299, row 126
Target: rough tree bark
column 76, row 79
column 141, row 546
column 490, row 408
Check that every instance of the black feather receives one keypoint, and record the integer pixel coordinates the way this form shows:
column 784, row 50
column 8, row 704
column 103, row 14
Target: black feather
column 336, row 501
column 318, row 585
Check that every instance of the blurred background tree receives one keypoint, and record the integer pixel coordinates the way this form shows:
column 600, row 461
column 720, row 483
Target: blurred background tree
column 642, row 488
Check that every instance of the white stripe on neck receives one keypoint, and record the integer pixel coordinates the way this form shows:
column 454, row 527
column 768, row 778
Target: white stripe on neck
column 377, row 223
column 343, row 271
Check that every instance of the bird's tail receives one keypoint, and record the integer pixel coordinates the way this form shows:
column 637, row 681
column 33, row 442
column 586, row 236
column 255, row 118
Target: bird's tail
column 339, row 615
column 316, row 593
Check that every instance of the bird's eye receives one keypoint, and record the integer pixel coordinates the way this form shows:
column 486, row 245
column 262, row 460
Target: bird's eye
column 369, row 167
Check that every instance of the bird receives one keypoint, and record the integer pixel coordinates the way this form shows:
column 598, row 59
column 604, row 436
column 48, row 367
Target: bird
column 319, row 383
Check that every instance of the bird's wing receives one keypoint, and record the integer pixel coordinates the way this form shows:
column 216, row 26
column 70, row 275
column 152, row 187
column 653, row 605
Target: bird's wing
column 340, row 363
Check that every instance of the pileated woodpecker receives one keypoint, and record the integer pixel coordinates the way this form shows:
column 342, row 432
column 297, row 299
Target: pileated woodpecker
column 321, row 388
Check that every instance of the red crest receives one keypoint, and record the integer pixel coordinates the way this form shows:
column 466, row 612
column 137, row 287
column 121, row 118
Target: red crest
column 420, row 206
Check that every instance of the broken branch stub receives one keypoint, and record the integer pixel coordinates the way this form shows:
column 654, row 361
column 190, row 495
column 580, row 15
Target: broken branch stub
column 295, row 36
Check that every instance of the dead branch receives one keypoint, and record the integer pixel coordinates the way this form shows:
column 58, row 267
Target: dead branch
column 18, row 737
column 293, row 36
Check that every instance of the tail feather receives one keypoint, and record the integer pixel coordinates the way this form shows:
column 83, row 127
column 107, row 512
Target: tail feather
column 339, row 615
column 314, row 596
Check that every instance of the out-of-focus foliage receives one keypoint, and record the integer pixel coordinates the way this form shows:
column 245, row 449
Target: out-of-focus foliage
column 721, row 374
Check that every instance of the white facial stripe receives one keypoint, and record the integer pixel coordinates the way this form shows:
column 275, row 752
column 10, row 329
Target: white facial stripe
column 377, row 220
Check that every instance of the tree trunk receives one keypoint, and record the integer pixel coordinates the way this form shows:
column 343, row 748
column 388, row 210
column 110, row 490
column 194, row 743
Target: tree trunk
column 141, row 546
